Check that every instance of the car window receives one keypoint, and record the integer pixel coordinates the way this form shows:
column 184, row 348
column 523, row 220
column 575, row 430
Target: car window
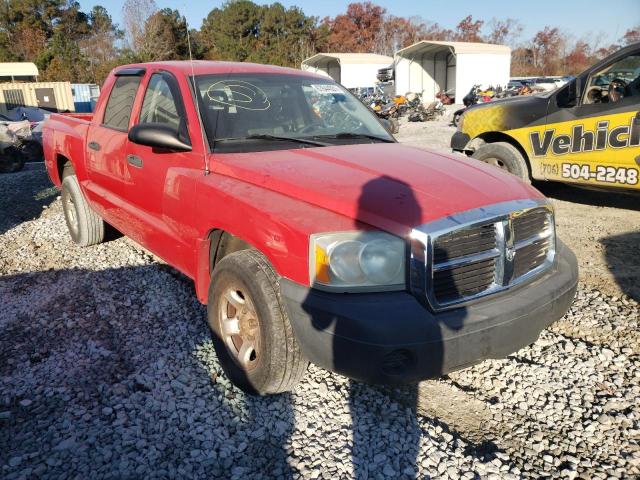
column 118, row 110
column 615, row 82
column 159, row 104
column 237, row 106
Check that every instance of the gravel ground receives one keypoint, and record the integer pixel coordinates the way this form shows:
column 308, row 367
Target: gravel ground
column 107, row 371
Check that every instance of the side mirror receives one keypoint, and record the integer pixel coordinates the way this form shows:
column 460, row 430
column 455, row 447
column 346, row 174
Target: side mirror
column 158, row 135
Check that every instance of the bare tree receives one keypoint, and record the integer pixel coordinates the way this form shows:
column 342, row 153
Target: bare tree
column 135, row 14
column 504, row 32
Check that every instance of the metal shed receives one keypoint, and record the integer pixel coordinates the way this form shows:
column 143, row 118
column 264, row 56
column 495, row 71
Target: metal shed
column 428, row 67
column 85, row 96
column 51, row 96
column 18, row 71
column 352, row 70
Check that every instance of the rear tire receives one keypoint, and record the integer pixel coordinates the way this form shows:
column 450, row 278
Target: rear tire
column 504, row 156
column 85, row 226
column 263, row 356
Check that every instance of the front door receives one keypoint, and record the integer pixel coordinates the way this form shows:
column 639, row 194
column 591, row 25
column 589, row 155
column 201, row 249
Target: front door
column 597, row 141
column 162, row 182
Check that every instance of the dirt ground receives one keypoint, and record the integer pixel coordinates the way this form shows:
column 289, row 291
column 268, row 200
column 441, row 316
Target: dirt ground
column 601, row 227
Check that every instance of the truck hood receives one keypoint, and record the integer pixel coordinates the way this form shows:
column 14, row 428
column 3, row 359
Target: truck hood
column 388, row 186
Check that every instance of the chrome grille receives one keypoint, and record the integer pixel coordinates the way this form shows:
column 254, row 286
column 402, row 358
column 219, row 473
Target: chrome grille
column 464, row 280
column 464, row 242
column 482, row 251
column 530, row 257
column 459, row 267
column 530, row 224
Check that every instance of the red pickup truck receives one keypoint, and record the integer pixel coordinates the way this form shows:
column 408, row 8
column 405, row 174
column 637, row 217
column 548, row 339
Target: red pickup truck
column 310, row 233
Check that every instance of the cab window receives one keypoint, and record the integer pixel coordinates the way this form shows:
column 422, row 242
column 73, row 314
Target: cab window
column 159, row 104
column 615, row 82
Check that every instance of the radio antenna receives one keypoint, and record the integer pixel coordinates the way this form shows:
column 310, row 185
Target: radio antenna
column 196, row 99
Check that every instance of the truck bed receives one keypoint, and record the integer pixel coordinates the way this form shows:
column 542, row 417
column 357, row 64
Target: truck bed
column 70, row 131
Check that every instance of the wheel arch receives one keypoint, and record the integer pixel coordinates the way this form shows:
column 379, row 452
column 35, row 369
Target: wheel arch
column 493, row 137
column 62, row 162
column 218, row 244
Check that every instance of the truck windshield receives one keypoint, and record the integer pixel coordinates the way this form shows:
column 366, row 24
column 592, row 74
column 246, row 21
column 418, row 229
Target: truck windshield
column 252, row 112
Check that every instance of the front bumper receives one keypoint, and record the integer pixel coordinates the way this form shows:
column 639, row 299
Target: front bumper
column 391, row 337
column 459, row 141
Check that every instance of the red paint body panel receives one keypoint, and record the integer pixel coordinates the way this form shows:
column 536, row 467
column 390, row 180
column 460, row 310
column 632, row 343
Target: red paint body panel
column 273, row 200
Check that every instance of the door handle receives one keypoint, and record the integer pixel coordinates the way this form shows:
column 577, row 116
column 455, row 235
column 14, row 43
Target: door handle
column 134, row 160
column 94, row 146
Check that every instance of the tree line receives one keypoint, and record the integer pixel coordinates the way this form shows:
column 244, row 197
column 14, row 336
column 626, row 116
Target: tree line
column 67, row 43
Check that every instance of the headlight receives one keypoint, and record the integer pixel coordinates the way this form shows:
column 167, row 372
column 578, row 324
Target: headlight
column 357, row 261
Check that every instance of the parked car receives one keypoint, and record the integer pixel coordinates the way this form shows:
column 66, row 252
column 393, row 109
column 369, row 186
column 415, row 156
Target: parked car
column 585, row 132
column 386, row 74
column 309, row 232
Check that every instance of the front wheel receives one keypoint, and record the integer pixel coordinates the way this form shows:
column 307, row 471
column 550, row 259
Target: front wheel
column 504, row 156
column 252, row 335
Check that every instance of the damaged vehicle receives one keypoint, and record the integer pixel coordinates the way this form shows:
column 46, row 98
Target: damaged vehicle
column 309, row 232
column 19, row 143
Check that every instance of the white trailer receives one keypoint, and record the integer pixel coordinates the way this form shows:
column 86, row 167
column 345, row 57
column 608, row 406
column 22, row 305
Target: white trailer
column 352, row 70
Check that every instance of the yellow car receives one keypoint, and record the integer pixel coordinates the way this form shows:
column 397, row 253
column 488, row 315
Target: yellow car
column 587, row 131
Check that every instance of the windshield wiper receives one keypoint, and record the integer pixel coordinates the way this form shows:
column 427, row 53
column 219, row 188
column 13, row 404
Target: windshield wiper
column 355, row 135
column 265, row 136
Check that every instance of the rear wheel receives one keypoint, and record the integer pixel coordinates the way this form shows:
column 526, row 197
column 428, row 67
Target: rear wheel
column 85, row 226
column 504, row 156
column 251, row 331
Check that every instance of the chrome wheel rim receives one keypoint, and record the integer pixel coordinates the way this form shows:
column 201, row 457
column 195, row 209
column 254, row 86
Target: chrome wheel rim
column 240, row 327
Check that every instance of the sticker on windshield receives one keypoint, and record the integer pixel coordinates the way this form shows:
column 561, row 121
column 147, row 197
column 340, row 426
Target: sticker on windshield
column 327, row 89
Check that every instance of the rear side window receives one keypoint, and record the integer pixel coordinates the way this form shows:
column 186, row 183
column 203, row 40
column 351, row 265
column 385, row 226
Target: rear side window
column 120, row 104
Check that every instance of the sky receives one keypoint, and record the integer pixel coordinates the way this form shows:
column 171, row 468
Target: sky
column 580, row 18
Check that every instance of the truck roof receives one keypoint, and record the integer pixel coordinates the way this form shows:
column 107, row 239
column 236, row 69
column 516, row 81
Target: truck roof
column 204, row 67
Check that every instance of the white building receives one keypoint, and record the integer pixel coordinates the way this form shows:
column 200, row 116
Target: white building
column 18, row 72
column 352, row 70
column 428, row 67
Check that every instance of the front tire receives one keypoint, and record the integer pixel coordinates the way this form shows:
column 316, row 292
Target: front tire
column 85, row 226
column 504, row 156
column 251, row 332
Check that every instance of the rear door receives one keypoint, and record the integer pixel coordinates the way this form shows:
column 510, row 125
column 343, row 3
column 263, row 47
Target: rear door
column 107, row 172
column 597, row 141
